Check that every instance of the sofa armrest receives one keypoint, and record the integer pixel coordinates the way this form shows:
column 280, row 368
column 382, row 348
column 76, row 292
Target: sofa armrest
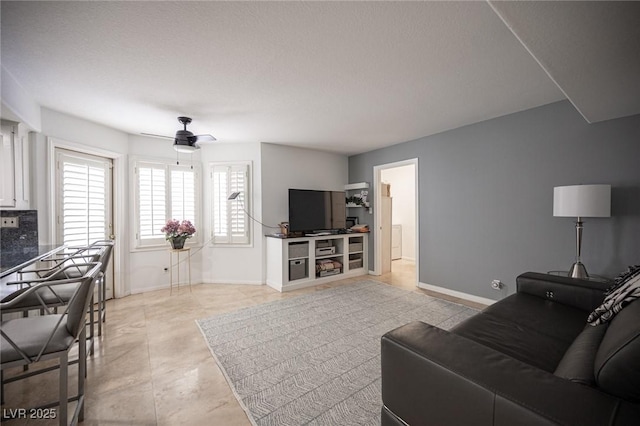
column 578, row 293
column 429, row 374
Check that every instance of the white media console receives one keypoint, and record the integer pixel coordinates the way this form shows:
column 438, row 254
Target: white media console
column 307, row 261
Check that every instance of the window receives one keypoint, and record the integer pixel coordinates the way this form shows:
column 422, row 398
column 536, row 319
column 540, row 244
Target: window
column 230, row 221
column 163, row 192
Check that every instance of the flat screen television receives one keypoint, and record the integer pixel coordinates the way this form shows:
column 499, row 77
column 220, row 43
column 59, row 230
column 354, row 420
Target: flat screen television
column 311, row 210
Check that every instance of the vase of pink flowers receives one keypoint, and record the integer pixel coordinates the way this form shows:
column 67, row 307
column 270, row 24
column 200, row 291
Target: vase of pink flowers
column 177, row 232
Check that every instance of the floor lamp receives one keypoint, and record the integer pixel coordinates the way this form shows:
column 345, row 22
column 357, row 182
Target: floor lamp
column 581, row 201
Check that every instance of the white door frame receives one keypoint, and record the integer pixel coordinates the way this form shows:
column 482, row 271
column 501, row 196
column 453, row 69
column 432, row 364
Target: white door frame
column 377, row 209
column 118, row 189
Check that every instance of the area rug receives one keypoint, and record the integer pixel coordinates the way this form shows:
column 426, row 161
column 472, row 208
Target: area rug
column 315, row 359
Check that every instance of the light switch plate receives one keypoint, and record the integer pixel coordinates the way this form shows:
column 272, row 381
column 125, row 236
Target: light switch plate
column 9, row 222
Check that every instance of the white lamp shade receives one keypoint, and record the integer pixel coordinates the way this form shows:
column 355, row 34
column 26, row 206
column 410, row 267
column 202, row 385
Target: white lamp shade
column 582, row 201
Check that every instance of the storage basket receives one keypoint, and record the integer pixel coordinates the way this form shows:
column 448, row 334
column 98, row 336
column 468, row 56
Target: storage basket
column 298, row 250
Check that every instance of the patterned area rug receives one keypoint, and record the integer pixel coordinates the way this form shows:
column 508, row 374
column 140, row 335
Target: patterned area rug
column 315, row 359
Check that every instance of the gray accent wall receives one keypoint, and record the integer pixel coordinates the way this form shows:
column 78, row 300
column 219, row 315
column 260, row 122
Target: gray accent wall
column 486, row 196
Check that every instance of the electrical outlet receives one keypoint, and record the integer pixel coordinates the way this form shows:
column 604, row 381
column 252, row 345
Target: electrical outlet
column 9, row 222
column 496, row 284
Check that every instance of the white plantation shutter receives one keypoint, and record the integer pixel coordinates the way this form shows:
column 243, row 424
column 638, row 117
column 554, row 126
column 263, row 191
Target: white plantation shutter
column 230, row 222
column 152, row 201
column 83, row 211
column 237, row 216
column 164, row 191
column 219, row 214
column 183, row 194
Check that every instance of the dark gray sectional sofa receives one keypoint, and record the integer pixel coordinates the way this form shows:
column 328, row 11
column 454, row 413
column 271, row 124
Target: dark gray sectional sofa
column 529, row 359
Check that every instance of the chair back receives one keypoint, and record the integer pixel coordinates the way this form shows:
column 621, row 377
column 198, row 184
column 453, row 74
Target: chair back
column 73, row 317
column 105, row 254
column 74, row 265
column 98, row 251
column 79, row 303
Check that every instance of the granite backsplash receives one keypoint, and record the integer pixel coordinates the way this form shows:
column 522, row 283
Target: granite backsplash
column 21, row 240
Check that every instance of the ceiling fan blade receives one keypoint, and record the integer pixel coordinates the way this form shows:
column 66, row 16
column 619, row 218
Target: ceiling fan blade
column 157, row 136
column 202, row 138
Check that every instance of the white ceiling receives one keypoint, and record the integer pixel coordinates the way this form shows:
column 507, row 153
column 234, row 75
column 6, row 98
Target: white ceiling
column 346, row 77
column 590, row 49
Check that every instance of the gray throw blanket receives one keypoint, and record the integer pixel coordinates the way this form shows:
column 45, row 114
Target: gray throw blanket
column 625, row 289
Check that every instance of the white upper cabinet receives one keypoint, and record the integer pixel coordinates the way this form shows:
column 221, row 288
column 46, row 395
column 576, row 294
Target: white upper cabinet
column 14, row 168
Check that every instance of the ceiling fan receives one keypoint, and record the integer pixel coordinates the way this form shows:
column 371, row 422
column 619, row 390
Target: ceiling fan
column 185, row 141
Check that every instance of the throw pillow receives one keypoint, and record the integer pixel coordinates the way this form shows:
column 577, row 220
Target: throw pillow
column 626, row 288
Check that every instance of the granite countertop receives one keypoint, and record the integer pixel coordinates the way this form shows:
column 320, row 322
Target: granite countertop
column 13, row 259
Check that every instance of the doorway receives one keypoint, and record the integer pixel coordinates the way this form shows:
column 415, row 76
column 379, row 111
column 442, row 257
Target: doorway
column 84, row 201
column 396, row 222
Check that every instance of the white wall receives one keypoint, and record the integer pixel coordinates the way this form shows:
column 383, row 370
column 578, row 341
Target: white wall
column 403, row 210
column 275, row 169
column 82, row 132
column 138, row 271
column 234, row 265
column 39, row 181
column 17, row 104
column 285, row 167
column 147, row 266
column 70, row 132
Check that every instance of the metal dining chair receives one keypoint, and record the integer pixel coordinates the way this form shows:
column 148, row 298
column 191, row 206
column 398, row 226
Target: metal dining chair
column 67, row 267
column 105, row 250
column 29, row 340
column 102, row 283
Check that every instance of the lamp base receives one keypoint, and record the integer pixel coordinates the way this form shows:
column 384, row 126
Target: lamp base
column 578, row 270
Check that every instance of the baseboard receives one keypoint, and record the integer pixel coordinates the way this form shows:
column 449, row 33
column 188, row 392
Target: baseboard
column 166, row 286
column 459, row 294
column 275, row 285
column 153, row 288
column 304, row 283
column 234, row 282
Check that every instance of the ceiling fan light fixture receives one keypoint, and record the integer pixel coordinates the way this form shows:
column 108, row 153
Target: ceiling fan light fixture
column 187, row 149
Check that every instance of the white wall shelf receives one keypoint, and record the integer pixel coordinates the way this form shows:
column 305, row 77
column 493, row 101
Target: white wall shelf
column 352, row 190
column 354, row 186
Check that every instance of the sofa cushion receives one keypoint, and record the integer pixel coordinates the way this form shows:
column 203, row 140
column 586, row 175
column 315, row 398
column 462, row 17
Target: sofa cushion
column 527, row 328
column 510, row 338
column 577, row 363
column 617, row 363
column 548, row 317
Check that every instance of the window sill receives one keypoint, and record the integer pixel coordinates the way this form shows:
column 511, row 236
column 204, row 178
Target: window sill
column 225, row 245
column 162, row 247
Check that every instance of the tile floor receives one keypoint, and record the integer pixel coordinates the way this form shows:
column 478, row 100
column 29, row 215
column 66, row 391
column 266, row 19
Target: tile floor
column 152, row 366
